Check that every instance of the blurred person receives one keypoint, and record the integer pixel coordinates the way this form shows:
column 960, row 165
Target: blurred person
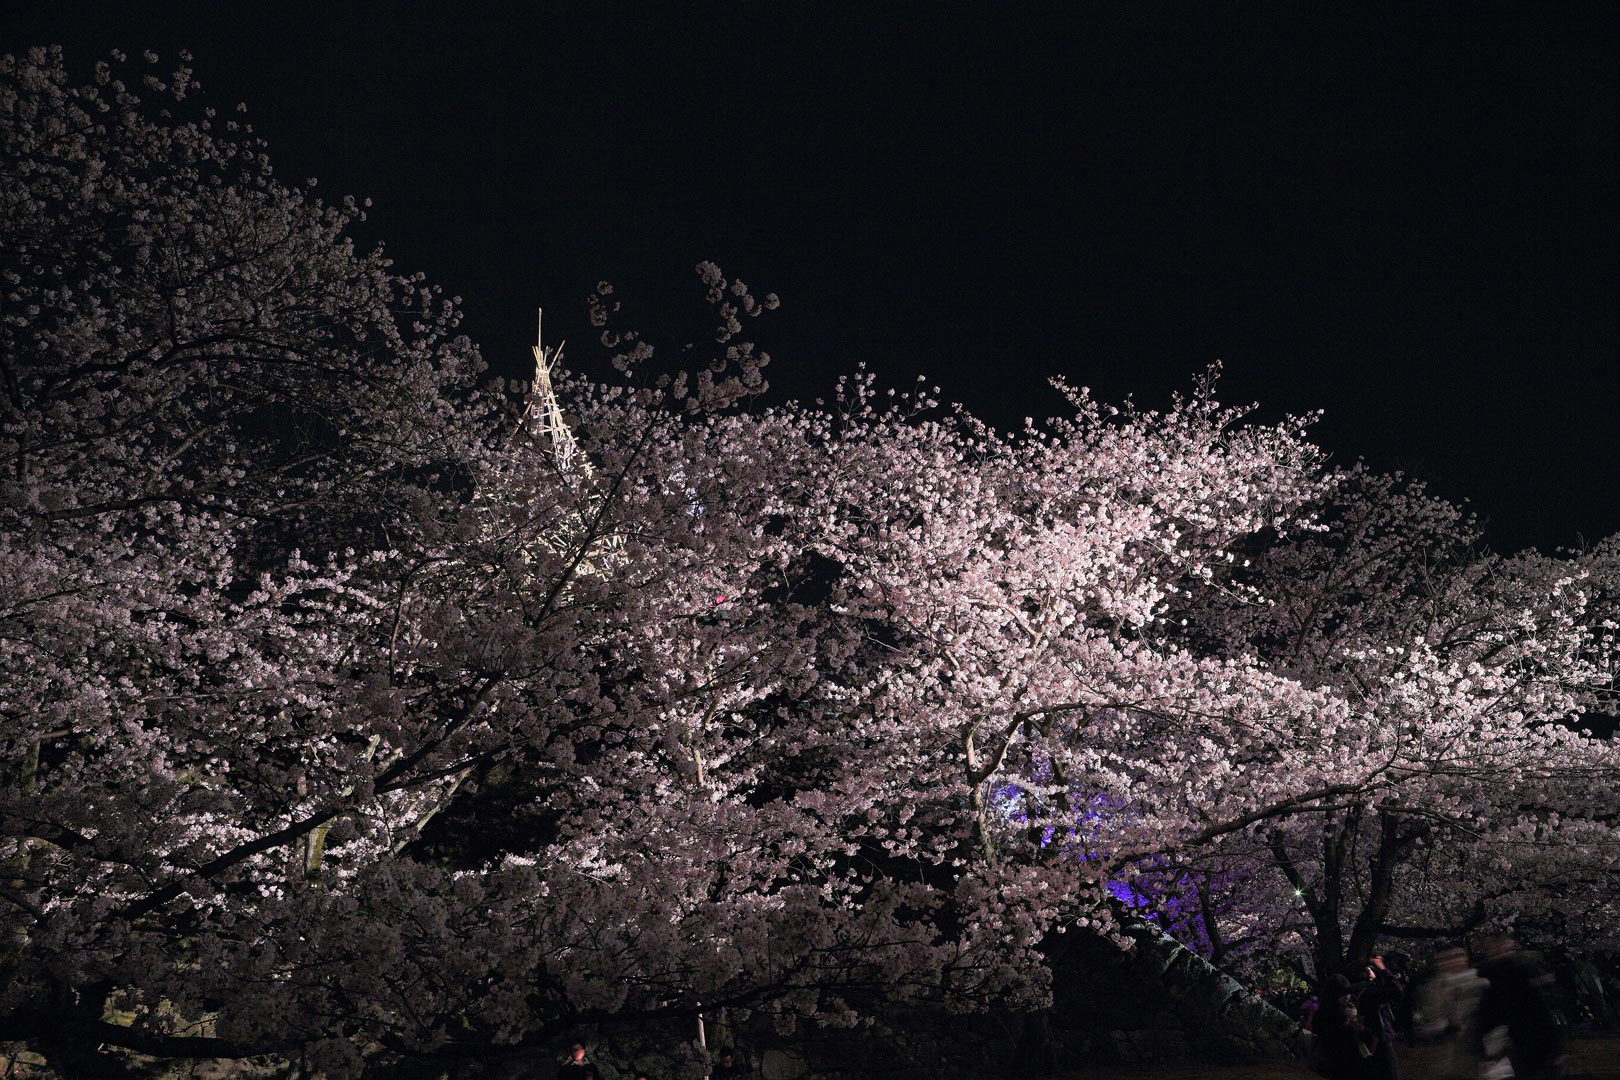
column 1307, row 1012
column 1516, row 1012
column 1448, row 1011
column 1590, row 995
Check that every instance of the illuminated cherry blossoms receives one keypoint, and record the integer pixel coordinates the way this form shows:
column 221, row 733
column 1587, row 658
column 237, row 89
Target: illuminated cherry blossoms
column 346, row 722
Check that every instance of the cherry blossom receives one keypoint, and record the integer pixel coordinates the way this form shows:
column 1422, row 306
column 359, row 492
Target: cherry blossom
column 351, row 720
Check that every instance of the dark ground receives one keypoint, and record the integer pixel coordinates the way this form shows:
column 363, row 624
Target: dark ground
column 1590, row 1056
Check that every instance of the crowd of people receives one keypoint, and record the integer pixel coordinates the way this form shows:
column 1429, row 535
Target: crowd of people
column 1497, row 1021
column 726, row 1066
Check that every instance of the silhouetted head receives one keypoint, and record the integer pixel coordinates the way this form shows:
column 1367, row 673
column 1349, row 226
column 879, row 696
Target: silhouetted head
column 1497, row 946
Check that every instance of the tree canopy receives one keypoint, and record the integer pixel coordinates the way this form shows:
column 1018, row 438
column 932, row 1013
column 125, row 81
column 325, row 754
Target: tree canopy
column 347, row 722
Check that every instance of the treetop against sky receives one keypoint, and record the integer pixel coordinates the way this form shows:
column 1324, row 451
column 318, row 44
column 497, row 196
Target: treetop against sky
column 1400, row 217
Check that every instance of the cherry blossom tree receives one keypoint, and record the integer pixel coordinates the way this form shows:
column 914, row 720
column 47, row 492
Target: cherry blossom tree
column 1467, row 784
column 355, row 721
column 216, row 415
column 1023, row 585
column 259, row 638
column 1325, row 730
column 346, row 722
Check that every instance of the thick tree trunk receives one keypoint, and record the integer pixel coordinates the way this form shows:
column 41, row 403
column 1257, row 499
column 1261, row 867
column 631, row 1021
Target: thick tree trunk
column 1392, row 847
column 1324, row 899
column 1034, row 1054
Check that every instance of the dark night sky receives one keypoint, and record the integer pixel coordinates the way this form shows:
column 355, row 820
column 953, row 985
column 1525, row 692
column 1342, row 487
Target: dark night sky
column 1407, row 218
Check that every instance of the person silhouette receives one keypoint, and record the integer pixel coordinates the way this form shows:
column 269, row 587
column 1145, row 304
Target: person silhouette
column 577, row 1067
column 727, row 1067
column 1341, row 1041
column 1519, row 999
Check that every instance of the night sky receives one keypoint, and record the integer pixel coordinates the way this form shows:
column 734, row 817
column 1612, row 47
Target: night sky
column 1408, row 217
